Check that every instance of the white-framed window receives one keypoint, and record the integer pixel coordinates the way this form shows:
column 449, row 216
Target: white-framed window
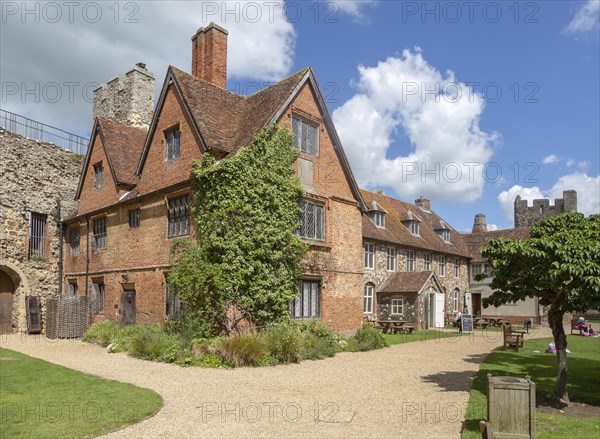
column 456, row 267
column 98, row 177
column 312, row 221
column 391, row 259
column 410, row 260
column 172, row 144
column 379, row 219
column 445, row 235
column 178, row 216
column 511, row 302
column 397, row 306
column 427, row 259
column 414, row 227
column 98, row 298
column 306, row 304
column 455, row 294
column 306, row 136
column 369, row 255
column 99, row 237
column 442, row 266
column 368, row 299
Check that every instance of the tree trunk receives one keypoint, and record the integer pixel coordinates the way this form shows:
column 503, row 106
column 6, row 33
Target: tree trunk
column 555, row 319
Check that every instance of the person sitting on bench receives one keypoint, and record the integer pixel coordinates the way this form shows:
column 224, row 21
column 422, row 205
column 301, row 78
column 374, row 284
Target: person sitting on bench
column 584, row 326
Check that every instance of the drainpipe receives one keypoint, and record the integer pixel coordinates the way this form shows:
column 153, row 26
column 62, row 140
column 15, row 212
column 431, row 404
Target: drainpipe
column 59, row 226
column 87, row 252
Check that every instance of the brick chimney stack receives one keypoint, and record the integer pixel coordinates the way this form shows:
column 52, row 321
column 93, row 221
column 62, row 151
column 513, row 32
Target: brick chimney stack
column 423, row 203
column 209, row 54
column 480, row 224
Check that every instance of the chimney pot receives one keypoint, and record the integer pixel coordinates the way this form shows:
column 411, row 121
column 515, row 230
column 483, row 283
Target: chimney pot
column 209, row 54
column 480, row 224
column 423, row 203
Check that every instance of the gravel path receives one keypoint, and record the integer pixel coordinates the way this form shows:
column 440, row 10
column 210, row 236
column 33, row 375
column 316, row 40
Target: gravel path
column 412, row 390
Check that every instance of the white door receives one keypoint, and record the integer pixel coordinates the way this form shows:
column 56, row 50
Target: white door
column 439, row 310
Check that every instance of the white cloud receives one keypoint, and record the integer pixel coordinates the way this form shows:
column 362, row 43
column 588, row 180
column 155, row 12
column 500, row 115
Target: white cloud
column 551, row 159
column 586, row 19
column 587, row 187
column 439, row 132
column 492, row 227
column 354, row 8
column 261, row 48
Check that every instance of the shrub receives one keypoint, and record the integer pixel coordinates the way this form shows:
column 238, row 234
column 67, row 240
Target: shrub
column 368, row 338
column 103, row 333
column 318, row 341
column 212, row 360
column 243, row 350
column 284, row 343
column 149, row 342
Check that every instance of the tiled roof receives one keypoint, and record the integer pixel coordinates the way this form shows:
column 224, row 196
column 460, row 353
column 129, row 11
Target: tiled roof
column 396, row 232
column 228, row 121
column 124, row 146
column 406, row 282
column 475, row 241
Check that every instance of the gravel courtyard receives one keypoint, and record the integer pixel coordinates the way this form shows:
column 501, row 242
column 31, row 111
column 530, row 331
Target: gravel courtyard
column 412, row 390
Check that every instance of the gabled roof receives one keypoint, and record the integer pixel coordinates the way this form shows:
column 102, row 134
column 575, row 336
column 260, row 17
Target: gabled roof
column 396, row 232
column 226, row 121
column 122, row 147
column 475, row 241
column 409, row 282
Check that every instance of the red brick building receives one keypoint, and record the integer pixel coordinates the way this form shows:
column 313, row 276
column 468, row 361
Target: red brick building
column 134, row 192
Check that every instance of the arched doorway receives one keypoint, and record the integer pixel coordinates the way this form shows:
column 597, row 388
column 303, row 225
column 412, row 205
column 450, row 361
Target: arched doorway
column 7, row 294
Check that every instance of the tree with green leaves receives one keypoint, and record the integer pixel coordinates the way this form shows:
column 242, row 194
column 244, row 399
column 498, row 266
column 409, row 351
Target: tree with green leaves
column 559, row 264
column 247, row 260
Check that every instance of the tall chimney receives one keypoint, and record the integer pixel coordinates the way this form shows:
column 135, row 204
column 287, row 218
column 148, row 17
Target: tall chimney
column 209, row 54
column 423, row 203
column 480, row 224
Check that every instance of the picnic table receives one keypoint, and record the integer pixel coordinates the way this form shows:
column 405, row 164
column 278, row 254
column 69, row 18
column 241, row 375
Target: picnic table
column 395, row 326
column 479, row 322
column 499, row 321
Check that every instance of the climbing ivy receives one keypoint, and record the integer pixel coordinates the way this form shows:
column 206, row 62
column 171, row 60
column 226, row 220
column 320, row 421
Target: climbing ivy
column 246, row 260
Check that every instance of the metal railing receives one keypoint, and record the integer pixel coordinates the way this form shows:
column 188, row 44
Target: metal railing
column 23, row 126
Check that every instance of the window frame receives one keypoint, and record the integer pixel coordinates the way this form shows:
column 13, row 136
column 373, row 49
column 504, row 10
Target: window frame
column 455, row 299
column 172, row 304
column 414, row 228
column 391, row 258
column 38, row 232
column 297, row 307
column 368, row 295
column 178, row 216
column 394, row 305
column 134, row 218
column 99, row 237
column 75, row 238
column 410, row 260
column 318, row 221
column 456, row 267
column 299, row 138
column 379, row 219
column 442, row 266
column 98, row 176
column 172, row 150
column 427, row 261
column 98, row 299
column 72, row 288
column 369, row 256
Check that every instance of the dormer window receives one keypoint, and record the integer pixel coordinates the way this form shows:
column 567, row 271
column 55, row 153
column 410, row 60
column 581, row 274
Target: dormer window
column 377, row 215
column 413, row 224
column 443, row 231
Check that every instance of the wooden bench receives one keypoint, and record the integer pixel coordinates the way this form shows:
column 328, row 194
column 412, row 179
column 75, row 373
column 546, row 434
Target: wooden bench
column 512, row 339
column 574, row 327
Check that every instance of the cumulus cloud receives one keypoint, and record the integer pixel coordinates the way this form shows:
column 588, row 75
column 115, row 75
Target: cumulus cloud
column 550, row 159
column 355, row 8
column 431, row 114
column 93, row 45
column 587, row 187
column 586, row 19
column 492, row 227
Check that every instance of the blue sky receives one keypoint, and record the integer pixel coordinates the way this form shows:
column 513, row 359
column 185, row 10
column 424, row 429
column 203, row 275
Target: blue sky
column 375, row 62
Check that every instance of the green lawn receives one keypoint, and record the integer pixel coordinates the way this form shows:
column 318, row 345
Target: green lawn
column 584, row 384
column 42, row 400
column 426, row 334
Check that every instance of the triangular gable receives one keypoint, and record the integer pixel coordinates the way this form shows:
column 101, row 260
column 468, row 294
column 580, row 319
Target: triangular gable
column 170, row 79
column 96, row 131
column 337, row 144
column 436, row 281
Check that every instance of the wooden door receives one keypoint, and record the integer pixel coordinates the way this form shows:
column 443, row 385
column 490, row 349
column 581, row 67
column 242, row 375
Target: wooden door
column 7, row 292
column 127, row 316
column 476, row 300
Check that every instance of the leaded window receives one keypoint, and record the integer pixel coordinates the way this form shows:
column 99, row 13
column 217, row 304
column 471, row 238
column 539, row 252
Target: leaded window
column 98, row 298
column 75, row 240
column 99, row 238
column 179, row 216
column 98, row 175
column 312, row 221
column 306, row 304
column 306, row 136
column 172, row 141
column 173, row 304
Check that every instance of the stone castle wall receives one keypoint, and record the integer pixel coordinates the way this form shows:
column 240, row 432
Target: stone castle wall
column 33, row 176
column 526, row 215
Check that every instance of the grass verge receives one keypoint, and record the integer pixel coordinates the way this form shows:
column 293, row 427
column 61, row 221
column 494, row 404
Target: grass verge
column 42, row 400
column 426, row 334
column 583, row 364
